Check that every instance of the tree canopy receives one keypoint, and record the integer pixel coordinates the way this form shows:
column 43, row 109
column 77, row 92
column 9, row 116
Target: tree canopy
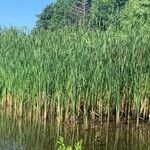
column 94, row 13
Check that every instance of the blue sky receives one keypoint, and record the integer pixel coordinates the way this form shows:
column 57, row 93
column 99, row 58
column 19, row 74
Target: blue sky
column 21, row 13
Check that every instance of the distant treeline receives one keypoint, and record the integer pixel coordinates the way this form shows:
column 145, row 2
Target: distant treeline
column 101, row 14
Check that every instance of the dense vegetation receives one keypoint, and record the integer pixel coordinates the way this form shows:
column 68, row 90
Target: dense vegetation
column 94, row 13
column 79, row 71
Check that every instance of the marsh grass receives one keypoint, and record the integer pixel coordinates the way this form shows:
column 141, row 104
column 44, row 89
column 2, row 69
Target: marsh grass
column 76, row 73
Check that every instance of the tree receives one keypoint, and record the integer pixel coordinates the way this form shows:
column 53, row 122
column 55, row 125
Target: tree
column 45, row 17
column 119, row 4
column 79, row 12
column 101, row 11
column 96, row 13
column 54, row 15
column 136, row 14
column 63, row 12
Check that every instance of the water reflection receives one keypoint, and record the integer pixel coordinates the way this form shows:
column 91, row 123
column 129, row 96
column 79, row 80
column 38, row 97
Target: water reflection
column 25, row 135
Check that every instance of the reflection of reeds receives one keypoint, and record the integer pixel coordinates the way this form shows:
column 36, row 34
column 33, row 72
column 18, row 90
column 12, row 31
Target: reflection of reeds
column 73, row 74
column 26, row 135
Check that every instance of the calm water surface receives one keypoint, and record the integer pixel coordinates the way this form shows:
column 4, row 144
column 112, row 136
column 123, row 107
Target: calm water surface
column 25, row 135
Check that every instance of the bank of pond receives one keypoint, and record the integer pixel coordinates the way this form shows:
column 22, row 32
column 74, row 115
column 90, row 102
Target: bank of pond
column 70, row 77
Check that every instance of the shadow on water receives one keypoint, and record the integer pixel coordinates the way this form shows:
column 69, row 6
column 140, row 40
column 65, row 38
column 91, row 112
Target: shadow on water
column 25, row 135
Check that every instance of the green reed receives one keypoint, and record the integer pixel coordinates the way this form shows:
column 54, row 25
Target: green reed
column 75, row 72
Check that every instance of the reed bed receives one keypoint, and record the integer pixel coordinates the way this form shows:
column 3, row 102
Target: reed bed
column 75, row 73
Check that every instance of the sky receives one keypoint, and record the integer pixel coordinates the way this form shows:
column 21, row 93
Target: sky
column 21, row 13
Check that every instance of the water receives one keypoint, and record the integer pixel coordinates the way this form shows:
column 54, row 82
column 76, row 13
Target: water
column 26, row 135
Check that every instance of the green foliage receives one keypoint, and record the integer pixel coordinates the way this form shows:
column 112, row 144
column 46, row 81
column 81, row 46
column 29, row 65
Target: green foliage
column 61, row 145
column 100, row 14
column 45, row 17
column 60, row 14
column 72, row 65
column 95, row 13
column 136, row 14
column 54, row 15
column 101, row 11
